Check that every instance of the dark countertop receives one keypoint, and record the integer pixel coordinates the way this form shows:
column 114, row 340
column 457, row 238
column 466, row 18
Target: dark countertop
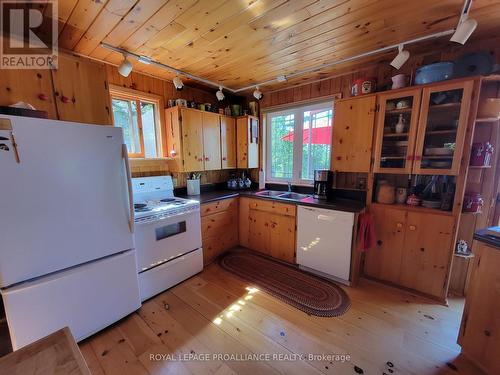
column 346, row 205
column 210, row 196
column 482, row 236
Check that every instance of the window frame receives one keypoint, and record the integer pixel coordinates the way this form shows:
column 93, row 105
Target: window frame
column 298, row 112
column 123, row 93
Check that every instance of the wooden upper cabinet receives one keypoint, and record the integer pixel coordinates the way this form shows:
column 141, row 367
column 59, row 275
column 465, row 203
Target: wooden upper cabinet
column 228, row 142
column 247, row 133
column 81, row 91
column 384, row 260
column 211, row 141
column 192, row 140
column 353, row 134
column 442, row 127
column 396, row 131
column 29, row 86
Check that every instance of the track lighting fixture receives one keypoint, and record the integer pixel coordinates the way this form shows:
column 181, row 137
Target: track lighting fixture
column 219, row 94
column 464, row 30
column 179, row 85
column 125, row 67
column 401, row 57
column 257, row 93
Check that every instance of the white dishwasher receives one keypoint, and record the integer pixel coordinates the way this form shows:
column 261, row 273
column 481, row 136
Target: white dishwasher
column 324, row 239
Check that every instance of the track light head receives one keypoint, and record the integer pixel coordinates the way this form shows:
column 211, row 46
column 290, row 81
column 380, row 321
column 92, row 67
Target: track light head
column 257, row 93
column 125, row 67
column 464, row 31
column 219, row 94
column 400, row 58
column 178, row 84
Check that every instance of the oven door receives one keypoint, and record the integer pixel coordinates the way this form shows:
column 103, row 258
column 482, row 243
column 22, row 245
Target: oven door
column 159, row 241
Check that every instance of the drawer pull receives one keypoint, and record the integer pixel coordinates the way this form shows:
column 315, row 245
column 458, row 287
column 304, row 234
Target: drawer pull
column 399, row 225
column 413, row 227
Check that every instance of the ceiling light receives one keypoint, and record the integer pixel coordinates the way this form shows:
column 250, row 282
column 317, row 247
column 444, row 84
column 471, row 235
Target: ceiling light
column 219, row 94
column 177, row 81
column 257, row 93
column 401, row 57
column 281, row 78
column 464, row 30
column 125, row 67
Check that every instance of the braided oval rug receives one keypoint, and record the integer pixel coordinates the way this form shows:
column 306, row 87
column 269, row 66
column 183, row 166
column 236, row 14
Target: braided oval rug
column 311, row 294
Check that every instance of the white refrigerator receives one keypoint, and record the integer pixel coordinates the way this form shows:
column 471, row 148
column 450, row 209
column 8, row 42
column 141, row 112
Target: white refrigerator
column 67, row 253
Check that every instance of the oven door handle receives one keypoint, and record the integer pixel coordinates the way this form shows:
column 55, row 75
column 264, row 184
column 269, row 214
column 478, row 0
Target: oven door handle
column 129, row 188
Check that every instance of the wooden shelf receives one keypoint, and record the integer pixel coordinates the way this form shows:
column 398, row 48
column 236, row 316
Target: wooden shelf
column 487, row 119
column 479, row 166
column 407, row 207
column 465, row 256
column 445, row 106
column 471, row 213
column 437, row 157
column 439, row 132
column 387, row 135
column 398, row 111
column 492, row 77
column 393, row 157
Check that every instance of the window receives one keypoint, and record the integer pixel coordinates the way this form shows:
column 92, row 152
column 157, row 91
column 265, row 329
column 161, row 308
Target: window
column 298, row 141
column 137, row 114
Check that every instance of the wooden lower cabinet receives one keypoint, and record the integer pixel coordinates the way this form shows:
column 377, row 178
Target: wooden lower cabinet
column 480, row 329
column 413, row 249
column 268, row 227
column 384, row 261
column 427, row 252
column 219, row 227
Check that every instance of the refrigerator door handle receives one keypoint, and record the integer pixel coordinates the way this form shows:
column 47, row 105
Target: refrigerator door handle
column 129, row 186
column 14, row 147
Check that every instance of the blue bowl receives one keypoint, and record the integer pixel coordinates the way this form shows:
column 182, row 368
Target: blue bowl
column 434, row 73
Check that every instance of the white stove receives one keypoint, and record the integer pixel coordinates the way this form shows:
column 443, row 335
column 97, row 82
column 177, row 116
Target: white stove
column 167, row 235
column 151, row 210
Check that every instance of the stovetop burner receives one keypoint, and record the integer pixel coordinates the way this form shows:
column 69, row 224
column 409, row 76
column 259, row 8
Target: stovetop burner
column 141, row 207
column 167, row 200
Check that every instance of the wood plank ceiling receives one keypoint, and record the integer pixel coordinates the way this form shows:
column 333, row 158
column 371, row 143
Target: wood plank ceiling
column 241, row 42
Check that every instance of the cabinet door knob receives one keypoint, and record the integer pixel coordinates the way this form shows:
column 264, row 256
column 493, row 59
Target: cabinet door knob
column 224, row 158
column 206, row 158
column 399, row 225
column 413, row 227
column 379, row 243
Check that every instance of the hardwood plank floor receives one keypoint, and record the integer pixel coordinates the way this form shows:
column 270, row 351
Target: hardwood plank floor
column 217, row 313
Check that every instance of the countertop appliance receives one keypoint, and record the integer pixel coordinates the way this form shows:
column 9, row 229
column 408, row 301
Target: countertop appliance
column 67, row 253
column 167, row 235
column 324, row 240
column 323, row 180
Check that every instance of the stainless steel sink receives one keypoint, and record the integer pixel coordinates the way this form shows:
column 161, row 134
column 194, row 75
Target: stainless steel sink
column 269, row 193
column 293, row 196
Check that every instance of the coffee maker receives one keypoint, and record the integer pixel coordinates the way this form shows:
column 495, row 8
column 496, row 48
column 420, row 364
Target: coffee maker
column 323, row 179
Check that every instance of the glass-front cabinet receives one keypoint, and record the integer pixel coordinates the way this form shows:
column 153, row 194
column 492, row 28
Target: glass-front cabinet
column 422, row 130
column 442, row 125
column 397, row 123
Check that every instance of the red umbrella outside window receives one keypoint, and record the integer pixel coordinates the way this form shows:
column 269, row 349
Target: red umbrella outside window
column 319, row 136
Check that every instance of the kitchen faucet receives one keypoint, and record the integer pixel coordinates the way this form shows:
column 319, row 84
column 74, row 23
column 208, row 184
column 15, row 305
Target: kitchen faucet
column 289, row 186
